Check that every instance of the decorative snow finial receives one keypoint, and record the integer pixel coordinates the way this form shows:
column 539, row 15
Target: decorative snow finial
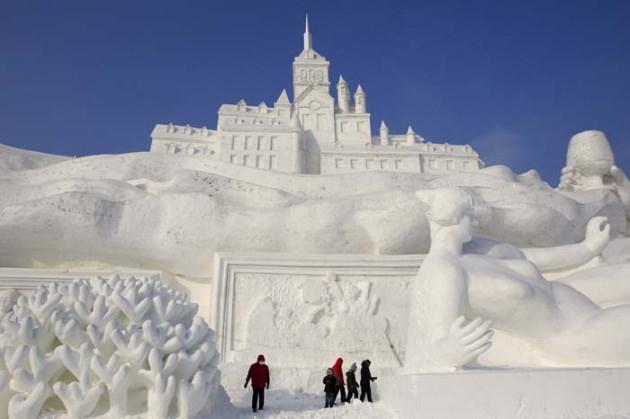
column 384, row 131
column 308, row 40
column 283, row 99
column 410, row 136
column 341, row 80
column 359, row 100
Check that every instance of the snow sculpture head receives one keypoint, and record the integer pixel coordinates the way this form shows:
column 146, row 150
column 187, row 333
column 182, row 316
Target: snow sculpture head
column 450, row 209
column 134, row 338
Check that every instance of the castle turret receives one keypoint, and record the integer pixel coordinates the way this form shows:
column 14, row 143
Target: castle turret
column 384, row 131
column 410, row 137
column 343, row 95
column 359, row 100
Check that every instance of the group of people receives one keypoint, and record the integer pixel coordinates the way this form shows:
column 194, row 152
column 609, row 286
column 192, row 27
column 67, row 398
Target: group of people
column 334, row 382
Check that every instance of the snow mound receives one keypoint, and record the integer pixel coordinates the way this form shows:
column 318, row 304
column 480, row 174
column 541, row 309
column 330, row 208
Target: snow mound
column 13, row 159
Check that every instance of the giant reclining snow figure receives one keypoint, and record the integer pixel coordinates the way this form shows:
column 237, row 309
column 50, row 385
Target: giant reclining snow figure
column 172, row 212
column 461, row 291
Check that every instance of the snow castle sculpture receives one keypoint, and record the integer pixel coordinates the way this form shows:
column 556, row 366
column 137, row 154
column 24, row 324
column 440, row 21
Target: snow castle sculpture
column 95, row 346
column 313, row 134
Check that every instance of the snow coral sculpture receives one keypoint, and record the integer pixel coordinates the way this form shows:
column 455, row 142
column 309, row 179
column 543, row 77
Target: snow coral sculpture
column 97, row 346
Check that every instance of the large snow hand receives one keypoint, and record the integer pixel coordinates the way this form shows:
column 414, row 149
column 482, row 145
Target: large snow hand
column 597, row 234
column 28, row 406
column 80, row 399
column 463, row 344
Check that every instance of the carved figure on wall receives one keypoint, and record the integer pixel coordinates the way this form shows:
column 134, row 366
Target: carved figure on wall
column 457, row 295
column 326, row 315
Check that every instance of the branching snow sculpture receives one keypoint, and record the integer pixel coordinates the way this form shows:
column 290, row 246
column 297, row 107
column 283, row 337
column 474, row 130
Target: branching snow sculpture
column 96, row 346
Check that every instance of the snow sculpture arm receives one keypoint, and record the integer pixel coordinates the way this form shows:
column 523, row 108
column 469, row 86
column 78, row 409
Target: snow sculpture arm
column 79, row 398
column 116, row 378
column 28, row 406
column 192, row 396
column 160, row 395
column 597, row 237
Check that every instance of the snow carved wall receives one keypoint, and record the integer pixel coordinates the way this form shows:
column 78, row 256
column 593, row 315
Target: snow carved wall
column 95, row 346
column 308, row 310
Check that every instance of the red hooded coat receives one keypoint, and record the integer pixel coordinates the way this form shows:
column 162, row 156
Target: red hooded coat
column 338, row 371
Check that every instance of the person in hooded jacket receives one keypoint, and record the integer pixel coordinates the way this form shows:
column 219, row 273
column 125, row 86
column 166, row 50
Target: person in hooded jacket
column 259, row 374
column 331, row 386
column 366, row 380
column 351, row 382
column 338, row 371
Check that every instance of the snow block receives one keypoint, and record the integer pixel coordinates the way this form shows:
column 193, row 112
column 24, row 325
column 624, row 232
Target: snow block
column 517, row 394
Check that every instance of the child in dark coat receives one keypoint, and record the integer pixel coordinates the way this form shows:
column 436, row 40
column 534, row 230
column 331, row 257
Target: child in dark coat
column 351, row 382
column 331, row 386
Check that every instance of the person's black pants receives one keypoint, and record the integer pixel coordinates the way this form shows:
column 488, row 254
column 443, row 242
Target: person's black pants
column 258, row 398
column 366, row 390
column 352, row 392
column 342, row 390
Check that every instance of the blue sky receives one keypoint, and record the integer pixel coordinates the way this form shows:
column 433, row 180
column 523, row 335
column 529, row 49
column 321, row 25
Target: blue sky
column 513, row 78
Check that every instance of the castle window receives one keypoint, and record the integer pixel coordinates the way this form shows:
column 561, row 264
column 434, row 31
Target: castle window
column 370, row 164
column 361, row 126
column 354, row 163
column 259, row 142
column 273, row 163
column 344, row 126
column 233, row 158
column 466, row 165
column 246, row 160
column 450, row 164
column 248, row 142
column 339, row 164
column 433, row 164
column 397, row 164
column 384, row 164
column 259, row 162
column 273, row 143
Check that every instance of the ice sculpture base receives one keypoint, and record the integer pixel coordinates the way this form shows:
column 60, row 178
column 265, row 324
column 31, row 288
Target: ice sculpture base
column 518, row 394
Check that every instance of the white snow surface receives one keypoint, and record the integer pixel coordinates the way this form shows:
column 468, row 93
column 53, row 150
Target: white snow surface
column 173, row 213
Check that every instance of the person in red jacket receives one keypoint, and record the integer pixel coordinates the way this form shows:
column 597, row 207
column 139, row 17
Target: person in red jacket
column 338, row 371
column 259, row 374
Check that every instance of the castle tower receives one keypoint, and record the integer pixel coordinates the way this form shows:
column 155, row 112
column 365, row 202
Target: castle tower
column 384, row 132
column 343, row 95
column 310, row 69
column 359, row 100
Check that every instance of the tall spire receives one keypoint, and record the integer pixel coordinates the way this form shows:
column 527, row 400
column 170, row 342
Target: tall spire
column 308, row 40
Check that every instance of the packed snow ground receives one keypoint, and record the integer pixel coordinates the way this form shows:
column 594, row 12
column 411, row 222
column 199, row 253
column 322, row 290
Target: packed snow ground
column 279, row 404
